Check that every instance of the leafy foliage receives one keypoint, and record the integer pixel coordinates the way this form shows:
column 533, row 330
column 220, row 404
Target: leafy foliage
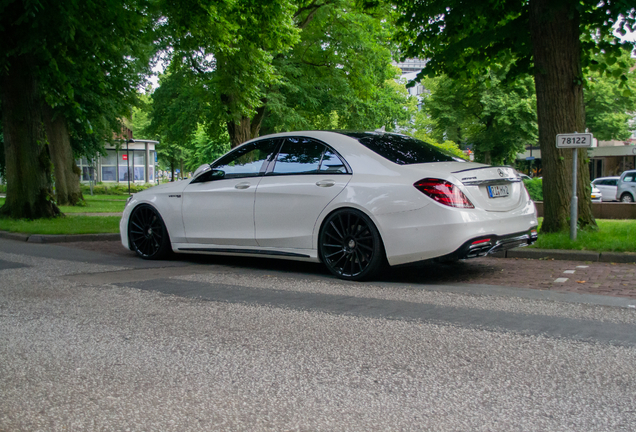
column 328, row 69
column 339, row 75
column 610, row 99
column 461, row 39
column 495, row 117
column 539, row 37
column 114, row 189
column 535, row 188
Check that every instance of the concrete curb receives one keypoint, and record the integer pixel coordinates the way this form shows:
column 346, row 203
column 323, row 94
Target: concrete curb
column 43, row 238
column 570, row 255
column 14, row 236
column 618, row 257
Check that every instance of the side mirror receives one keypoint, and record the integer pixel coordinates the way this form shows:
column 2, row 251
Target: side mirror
column 202, row 169
column 207, row 175
column 217, row 174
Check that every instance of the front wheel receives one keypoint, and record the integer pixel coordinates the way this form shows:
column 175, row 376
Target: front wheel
column 350, row 245
column 627, row 198
column 147, row 233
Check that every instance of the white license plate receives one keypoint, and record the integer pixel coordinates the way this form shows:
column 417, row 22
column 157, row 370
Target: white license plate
column 498, row 191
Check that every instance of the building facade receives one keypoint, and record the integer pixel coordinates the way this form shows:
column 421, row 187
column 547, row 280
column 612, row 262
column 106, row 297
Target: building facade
column 607, row 158
column 135, row 159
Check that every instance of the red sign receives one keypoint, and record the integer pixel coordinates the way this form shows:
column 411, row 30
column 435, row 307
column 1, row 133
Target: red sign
column 124, row 157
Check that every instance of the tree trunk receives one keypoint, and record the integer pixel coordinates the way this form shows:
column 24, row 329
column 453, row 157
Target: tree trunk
column 246, row 128
column 67, row 174
column 554, row 28
column 172, row 169
column 28, row 166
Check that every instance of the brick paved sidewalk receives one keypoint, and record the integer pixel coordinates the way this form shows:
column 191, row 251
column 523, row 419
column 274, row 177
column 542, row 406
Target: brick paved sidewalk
column 558, row 275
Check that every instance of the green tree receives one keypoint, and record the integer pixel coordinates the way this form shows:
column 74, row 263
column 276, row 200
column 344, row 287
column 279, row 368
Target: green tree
column 226, row 48
column 95, row 83
column 494, row 116
column 339, row 74
column 67, row 72
column 541, row 37
column 609, row 107
column 329, row 68
column 176, row 111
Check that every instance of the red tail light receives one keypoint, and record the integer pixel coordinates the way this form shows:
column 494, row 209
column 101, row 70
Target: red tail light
column 443, row 192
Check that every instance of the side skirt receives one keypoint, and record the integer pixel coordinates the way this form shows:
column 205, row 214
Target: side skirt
column 305, row 255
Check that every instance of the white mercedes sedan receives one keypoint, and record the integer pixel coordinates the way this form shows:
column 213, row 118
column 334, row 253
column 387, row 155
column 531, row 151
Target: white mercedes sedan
column 355, row 201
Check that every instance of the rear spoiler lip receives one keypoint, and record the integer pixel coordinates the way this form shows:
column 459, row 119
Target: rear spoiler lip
column 491, row 181
column 481, row 167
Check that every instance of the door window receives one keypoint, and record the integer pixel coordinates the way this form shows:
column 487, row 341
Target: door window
column 247, row 161
column 306, row 156
column 299, row 156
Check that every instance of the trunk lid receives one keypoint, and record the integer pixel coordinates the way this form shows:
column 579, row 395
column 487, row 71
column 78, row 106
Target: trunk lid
column 496, row 189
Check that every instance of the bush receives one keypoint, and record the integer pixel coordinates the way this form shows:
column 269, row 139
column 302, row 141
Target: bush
column 3, row 188
column 535, row 188
column 115, row 189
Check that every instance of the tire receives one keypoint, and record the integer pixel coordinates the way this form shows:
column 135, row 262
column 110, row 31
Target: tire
column 350, row 245
column 627, row 198
column 147, row 233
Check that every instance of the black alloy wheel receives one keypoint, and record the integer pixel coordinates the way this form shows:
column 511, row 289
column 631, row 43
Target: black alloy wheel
column 350, row 245
column 147, row 233
column 627, row 198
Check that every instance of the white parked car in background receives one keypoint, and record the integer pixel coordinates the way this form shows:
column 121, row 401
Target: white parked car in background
column 626, row 187
column 596, row 194
column 354, row 201
column 607, row 186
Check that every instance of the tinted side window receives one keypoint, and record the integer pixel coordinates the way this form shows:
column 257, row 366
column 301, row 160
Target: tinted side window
column 332, row 163
column 612, row 182
column 246, row 161
column 402, row 149
column 299, row 156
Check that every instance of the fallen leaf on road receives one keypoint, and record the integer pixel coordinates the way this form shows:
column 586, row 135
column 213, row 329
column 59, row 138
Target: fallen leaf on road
column 580, row 281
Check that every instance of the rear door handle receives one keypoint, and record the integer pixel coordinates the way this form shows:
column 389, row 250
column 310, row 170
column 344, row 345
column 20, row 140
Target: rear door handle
column 325, row 183
column 243, row 185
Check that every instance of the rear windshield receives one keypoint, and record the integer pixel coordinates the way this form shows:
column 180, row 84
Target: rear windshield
column 401, row 149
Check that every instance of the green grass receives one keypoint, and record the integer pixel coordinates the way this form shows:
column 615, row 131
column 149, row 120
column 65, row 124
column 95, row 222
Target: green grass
column 612, row 236
column 89, row 197
column 63, row 225
column 94, row 205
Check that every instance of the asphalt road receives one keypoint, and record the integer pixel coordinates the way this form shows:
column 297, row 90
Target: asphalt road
column 105, row 341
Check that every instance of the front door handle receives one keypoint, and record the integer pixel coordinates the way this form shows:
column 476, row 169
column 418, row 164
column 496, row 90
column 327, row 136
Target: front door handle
column 243, row 185
column 325, row 183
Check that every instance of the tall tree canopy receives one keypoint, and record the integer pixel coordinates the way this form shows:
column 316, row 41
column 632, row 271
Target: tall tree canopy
column 497, row 118
column 300, row 65
column 68, row 74
column 547, row 38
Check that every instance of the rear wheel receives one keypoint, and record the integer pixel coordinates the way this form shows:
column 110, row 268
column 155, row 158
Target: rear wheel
column 350, row 245
column 627, row 198
column 147, row 233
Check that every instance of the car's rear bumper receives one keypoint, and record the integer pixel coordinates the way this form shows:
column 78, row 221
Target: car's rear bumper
column 437, row 231
column 486, row 245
